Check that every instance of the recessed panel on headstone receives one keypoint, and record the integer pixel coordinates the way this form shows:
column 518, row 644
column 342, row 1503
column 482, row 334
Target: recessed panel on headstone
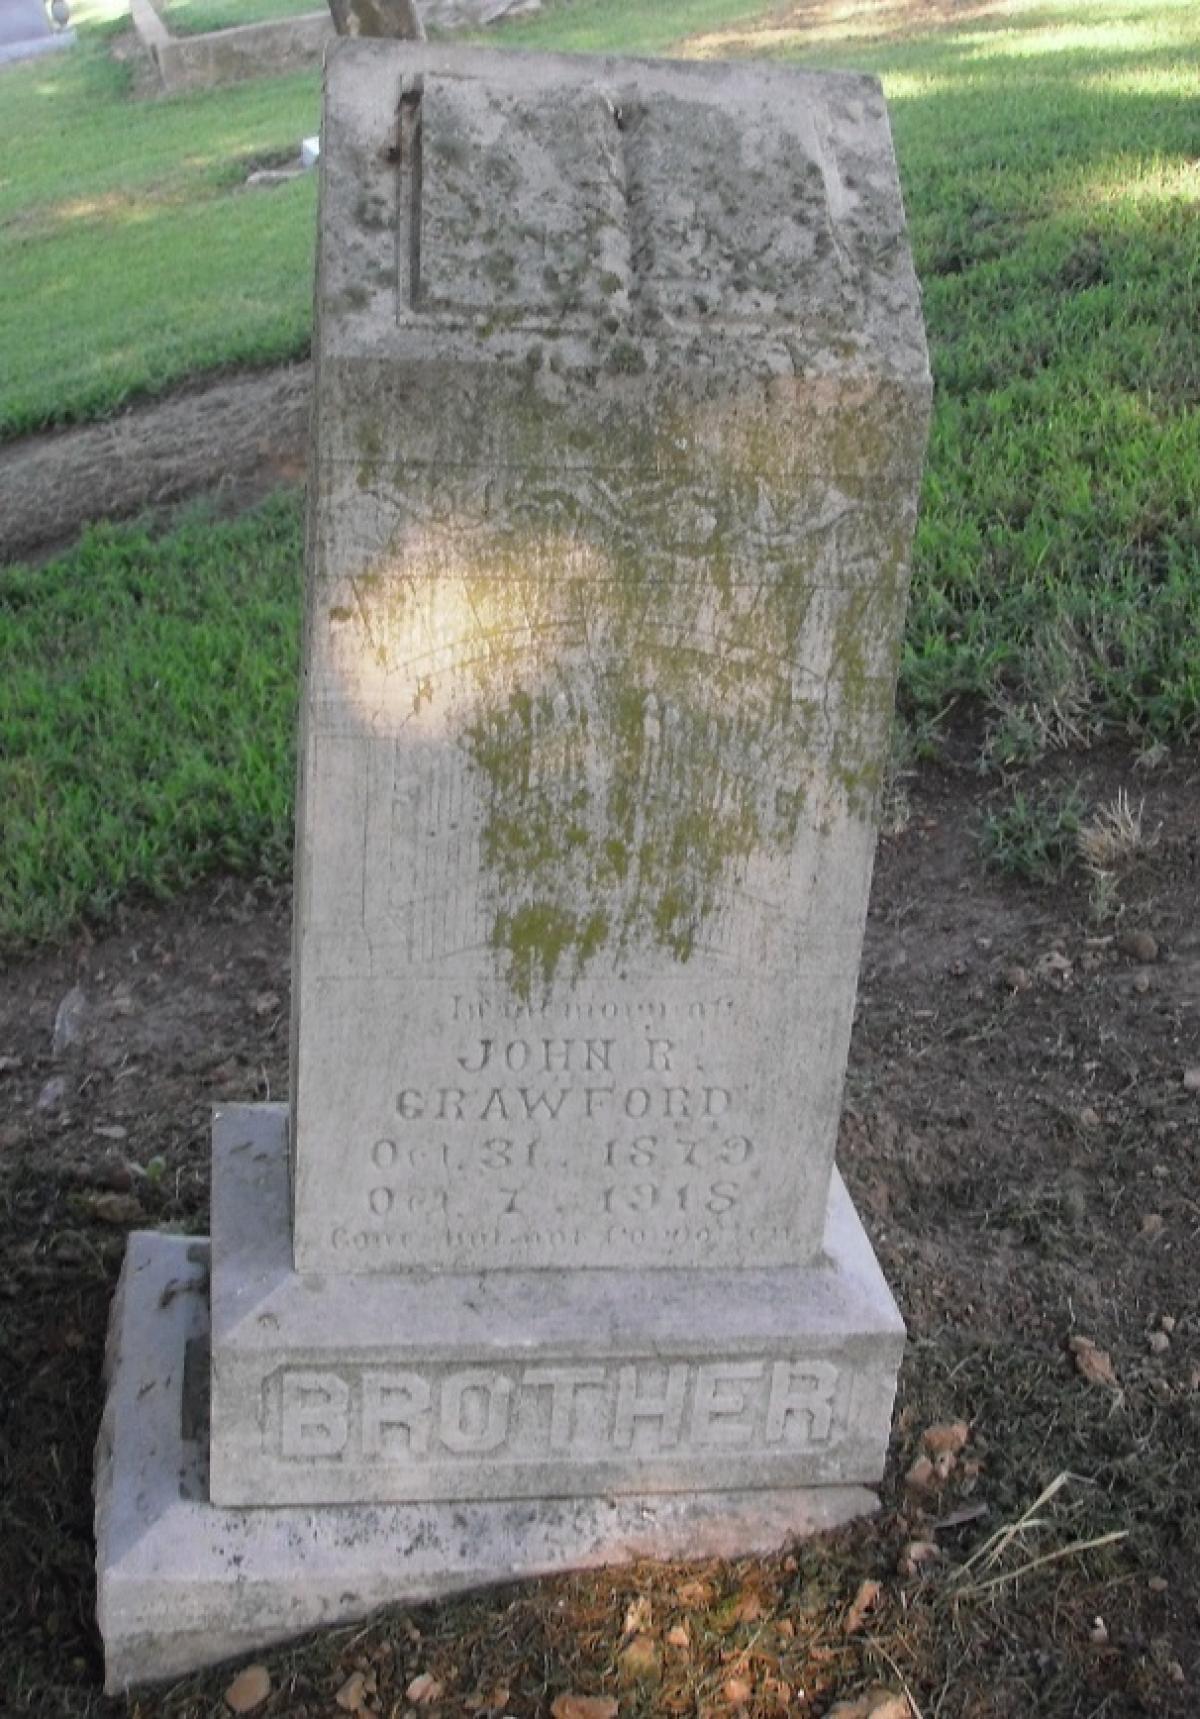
column 622, row 396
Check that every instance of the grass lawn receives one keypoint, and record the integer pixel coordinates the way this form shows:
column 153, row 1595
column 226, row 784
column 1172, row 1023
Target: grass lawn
column 131, row 255
column 191, row 17
column 146, row 714
column 1051, row 163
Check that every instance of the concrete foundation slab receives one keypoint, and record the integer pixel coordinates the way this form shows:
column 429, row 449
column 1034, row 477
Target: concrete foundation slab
column 183, row 1583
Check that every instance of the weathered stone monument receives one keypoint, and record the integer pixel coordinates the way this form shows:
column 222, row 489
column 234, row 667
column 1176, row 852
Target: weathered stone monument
column 621, row 405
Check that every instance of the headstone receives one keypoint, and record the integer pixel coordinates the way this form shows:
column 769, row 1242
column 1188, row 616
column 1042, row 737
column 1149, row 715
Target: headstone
column 621, row 404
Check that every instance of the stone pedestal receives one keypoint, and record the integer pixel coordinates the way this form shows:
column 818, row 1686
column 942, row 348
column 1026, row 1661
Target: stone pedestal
column 532, row 1384
column 186, row 1583
column 621, row 404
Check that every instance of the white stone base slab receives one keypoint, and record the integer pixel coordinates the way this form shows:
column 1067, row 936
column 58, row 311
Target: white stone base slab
column 551, row 1383
column 183, row 1583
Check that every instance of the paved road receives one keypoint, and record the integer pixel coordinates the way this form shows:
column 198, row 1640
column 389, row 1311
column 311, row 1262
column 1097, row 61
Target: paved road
column 22, row 21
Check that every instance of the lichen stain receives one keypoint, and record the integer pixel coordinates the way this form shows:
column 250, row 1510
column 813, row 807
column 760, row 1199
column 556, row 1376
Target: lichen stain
column 667, row 675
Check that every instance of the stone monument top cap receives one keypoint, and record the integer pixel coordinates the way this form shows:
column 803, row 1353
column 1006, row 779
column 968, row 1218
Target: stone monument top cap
column 728, row 213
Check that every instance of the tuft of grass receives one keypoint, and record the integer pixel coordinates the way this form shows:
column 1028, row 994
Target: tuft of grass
column 146, row 715
column 1110, row 841
column 192, row 17
column 1034, row 837
column 1114, row 835
column 132, row 254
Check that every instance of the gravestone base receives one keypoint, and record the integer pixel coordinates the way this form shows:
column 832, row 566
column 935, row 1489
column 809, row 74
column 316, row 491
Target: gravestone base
column 183, row 1583
column 554, row 1383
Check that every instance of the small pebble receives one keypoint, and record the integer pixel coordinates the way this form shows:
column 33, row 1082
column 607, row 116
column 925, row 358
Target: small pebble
column 52, row 1094
column 69, row 1021
column 1159, row 1342
column 1138, row 945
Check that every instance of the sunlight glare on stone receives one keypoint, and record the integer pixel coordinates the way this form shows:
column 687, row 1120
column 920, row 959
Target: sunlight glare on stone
column 436, row 608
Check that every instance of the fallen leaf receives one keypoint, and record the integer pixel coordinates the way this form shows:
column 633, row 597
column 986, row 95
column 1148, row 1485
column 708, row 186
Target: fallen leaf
column 875, row 1704
column 424, row 1690
column 694, row 1594
column 266, row 1002
column 945, row 1438
column 116, row 1208
column 1095, row 1364
column 864, row 1601
column 637, row 1617
column 639, row 1661
column 248, row 1690
column 352, row 1696
column 1152, row 1225
column 737, row 1691
column 916, row 1553
column 1159, row 1342
column 749, row 1607
column 921, row 1476
column 583, row 1707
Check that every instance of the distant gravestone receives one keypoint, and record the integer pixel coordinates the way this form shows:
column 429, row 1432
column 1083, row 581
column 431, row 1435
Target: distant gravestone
column 622, row 398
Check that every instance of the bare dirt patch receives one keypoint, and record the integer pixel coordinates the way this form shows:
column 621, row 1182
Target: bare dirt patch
column 237, row 438
column 1023, row 1143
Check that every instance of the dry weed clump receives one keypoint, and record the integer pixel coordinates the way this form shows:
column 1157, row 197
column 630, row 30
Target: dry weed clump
column 1109, row 843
